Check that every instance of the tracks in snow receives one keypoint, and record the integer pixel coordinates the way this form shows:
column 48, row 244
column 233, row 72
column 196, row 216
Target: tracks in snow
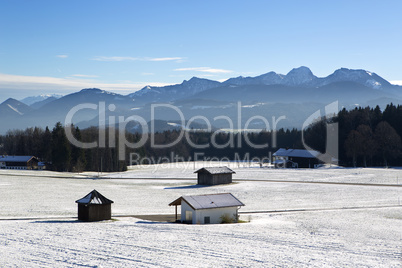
column 314, row 209
column 194, row 179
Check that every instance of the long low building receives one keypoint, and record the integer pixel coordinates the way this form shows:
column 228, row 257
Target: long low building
column 296, row 158
column 18, row 162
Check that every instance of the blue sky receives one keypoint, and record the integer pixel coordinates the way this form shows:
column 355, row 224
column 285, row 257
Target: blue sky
column 121, row 46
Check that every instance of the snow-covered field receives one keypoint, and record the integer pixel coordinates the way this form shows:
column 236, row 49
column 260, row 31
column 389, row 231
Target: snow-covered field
column 342, row 225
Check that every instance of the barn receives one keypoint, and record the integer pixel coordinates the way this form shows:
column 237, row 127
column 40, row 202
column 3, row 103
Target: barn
column 18, row 162
column 214, row 175
column 208, row 208
column 296, row 158
column 94, row 207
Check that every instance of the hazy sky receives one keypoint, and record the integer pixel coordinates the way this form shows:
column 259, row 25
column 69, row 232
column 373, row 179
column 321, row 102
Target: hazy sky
column 121, row 46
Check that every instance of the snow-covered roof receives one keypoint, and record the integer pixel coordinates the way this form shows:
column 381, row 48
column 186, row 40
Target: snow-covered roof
column 215, row 170
column 297, row 153
column 280, row 161
column 209, row 201
column 15, row 158
column 94, row 197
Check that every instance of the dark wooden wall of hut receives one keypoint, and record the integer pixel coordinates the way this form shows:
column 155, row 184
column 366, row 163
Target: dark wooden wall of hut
column 94, row 212
column 305, row 162
column 214, row 179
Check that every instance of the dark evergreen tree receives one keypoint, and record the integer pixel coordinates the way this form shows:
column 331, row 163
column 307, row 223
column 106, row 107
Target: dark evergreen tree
column 353, row 146
column 389, row 142
column 367, row 143
column 61, row 150
column 46, row 146
column 78, row 160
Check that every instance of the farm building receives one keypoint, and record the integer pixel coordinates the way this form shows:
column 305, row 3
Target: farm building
column 18, row 162
column 94, row 207
column 296, row 158
column 41, row 165
column 209, row 208
column 214, row 175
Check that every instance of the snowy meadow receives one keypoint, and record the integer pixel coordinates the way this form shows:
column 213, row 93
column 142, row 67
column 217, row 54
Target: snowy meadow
column 327, row 217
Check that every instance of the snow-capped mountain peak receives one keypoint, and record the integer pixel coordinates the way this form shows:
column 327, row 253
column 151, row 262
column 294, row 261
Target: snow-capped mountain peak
column 33, row 99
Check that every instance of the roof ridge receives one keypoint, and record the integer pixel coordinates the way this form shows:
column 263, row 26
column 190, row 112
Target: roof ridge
column 95, row 194
column 207, row 194
column 209, row 201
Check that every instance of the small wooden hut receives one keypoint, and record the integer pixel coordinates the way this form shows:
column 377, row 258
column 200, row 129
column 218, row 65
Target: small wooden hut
column 214, row 175
column 94, row 207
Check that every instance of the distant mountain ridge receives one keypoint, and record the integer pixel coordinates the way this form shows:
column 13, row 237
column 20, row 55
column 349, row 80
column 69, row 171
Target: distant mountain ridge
column 34, row 99
column 303, row 76
column 294, row 95
column 39, row 104
column 12, row 107
column 173, row 92
column 297, row 77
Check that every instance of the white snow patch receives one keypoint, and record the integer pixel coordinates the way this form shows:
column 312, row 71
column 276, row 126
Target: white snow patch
column 373, row 83
column 14, row 109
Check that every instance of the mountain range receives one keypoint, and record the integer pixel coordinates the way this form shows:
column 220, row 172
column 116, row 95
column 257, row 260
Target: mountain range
column 40, row 99
column 295, row 96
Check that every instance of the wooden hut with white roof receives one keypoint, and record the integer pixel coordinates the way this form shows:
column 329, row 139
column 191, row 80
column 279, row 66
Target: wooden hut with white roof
column 214, row 175
column 208, row 208
column 94, row 207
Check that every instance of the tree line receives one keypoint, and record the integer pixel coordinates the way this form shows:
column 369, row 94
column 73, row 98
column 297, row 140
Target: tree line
column 53, row 147
column 367, row 137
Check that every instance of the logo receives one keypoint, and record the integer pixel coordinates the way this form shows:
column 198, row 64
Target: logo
column 331, row 155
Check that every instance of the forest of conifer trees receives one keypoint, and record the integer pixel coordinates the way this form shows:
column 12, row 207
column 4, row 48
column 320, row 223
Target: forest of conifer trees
column 367, row 137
